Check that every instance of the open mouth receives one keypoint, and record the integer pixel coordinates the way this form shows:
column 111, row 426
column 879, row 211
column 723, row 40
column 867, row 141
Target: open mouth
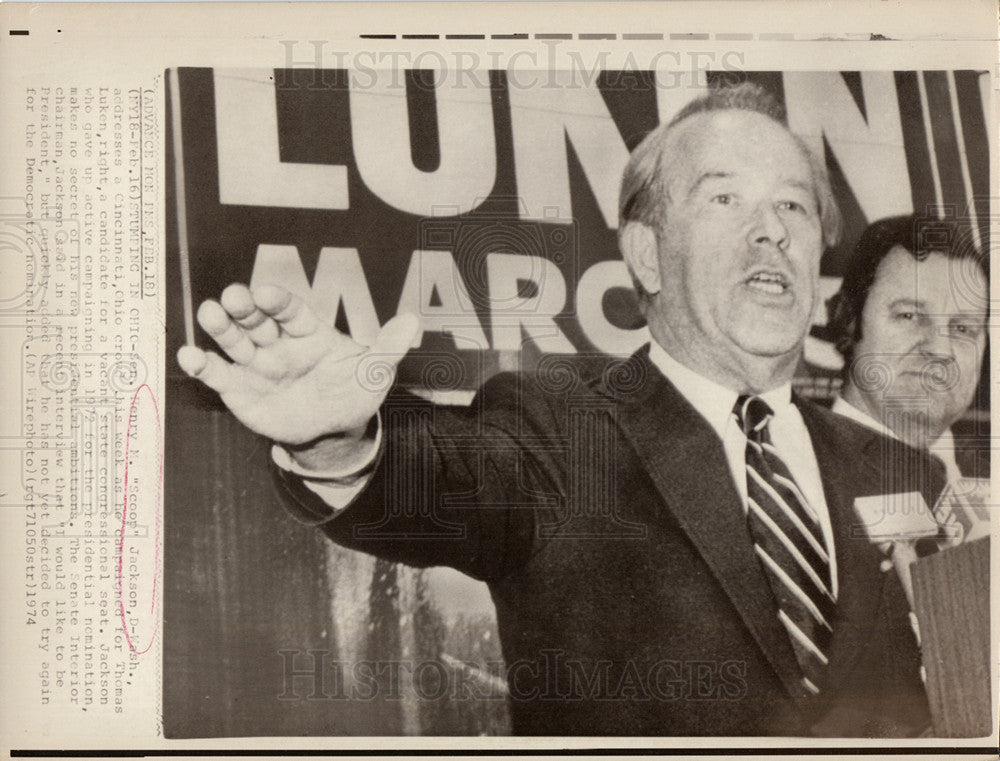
column 774, row 283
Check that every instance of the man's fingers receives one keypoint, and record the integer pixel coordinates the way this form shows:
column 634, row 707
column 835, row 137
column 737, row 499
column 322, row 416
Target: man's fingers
column 230, row 337
column 238, row 302
column 206, row 366
column 290, row 312
column 191, row 359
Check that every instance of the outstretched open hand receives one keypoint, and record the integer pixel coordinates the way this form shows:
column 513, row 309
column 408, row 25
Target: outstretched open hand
column 292, row 378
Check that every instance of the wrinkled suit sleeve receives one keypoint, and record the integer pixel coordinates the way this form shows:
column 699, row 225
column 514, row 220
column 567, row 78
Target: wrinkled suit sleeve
column 462, row 487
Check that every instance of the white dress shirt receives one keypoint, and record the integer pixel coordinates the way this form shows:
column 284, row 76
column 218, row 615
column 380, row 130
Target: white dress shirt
column 788, row 434
column 337, row 486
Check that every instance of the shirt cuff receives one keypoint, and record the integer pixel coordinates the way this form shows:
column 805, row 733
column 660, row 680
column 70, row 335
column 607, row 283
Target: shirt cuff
column 336, row 486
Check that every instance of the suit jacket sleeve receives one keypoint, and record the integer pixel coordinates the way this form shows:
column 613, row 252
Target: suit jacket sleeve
column 454, row 486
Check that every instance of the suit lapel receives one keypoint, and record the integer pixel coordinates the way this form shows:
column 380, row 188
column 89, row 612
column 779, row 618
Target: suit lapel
column 686, row 462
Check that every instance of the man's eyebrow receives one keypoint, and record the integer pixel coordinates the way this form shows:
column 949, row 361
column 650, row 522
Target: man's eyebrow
column 805, row 187
column 915, row 303
column 705, row 177
column 967, row 318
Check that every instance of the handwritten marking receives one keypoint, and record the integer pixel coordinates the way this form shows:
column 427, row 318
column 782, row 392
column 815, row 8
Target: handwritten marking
column 133, row 411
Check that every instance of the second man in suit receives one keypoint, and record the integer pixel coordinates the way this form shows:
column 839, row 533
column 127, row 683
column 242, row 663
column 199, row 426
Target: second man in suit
column 910, row 321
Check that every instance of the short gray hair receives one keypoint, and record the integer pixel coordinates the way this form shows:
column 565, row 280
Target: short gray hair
column 644, row 191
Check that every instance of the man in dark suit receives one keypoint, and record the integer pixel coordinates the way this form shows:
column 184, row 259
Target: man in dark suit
column 669, row 540
column 910, row 321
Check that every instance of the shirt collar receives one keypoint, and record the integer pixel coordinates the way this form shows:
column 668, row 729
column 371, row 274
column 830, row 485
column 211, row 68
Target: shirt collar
column 713, row 401
column 843, row 407
column 943, row 447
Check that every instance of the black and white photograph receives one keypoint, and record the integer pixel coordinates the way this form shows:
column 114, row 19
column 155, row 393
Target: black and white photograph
column 498, row 377
column 678, row 375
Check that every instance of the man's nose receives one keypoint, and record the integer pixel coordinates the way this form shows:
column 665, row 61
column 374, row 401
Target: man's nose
column 935, row 338
column 767, row 227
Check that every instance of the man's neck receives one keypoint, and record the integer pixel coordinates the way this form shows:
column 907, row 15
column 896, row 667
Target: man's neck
column 749, row 375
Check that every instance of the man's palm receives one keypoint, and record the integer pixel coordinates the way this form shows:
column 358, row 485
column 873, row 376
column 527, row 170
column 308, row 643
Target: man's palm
column 292, row 378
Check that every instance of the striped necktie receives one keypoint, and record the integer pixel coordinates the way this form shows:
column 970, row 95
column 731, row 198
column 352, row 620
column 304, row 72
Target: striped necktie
column 789, row 542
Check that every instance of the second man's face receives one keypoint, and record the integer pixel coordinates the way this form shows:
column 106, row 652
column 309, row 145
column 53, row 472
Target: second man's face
column 740, row 244
column 923, row 332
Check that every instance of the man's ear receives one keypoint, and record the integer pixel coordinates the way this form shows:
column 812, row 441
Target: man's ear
column 638, row 243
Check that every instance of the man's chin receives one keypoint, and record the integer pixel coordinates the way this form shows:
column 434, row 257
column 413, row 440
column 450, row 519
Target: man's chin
column 774, row 352
column 775, row 326
column 770, row 338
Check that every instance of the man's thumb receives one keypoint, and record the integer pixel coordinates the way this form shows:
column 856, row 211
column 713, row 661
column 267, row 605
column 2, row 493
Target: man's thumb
column 377, row 367
column 395, row 338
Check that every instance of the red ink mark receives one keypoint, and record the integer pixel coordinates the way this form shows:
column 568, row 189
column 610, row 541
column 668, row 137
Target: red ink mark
column 158, row 465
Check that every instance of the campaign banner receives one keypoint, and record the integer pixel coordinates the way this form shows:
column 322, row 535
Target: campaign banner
column 486, row 201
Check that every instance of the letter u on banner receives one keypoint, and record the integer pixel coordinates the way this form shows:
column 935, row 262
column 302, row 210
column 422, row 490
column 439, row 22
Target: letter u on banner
column 380, row 129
